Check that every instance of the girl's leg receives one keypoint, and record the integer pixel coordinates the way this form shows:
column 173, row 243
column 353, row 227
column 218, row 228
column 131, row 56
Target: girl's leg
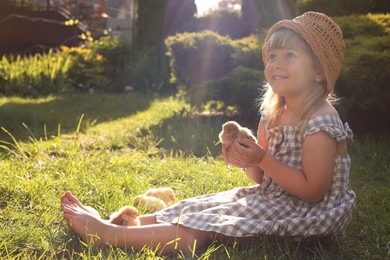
column 94, row 230
column 149, row 219
column 69, row 196
column 145, row 219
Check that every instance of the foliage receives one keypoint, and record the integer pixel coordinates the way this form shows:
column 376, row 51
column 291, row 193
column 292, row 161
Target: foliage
column 87, row 69
column 206, row 55
column 102, row 64
column 343, row 7
column 149, row 71
column 364, row 25
column 272, row 11
column 224, row 22
column 107, row 164
column 240, row 88
column 35, row 75
column 363, row 83
column 250, row 18
column 179, row 16
column 149, row 27
column 150, row 68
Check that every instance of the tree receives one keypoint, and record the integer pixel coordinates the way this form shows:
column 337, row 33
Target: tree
column 179, row 17
column 149, row 23
column 250, row 17
column 272, row 11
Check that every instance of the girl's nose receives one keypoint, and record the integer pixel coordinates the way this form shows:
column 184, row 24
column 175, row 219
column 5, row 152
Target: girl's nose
column 277, row 64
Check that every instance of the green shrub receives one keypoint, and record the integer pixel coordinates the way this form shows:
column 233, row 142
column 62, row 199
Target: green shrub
column 87, row 69
column 101, row 64
column 36, row 75
column 117, row 57
column 202, row 56
column 364, row 81
column 359, row 25
column 241, row 87
column 150, row 71
column 343, row 7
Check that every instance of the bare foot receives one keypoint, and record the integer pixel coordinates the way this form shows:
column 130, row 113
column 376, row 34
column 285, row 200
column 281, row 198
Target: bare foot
column 89, row 227
column 70, row 197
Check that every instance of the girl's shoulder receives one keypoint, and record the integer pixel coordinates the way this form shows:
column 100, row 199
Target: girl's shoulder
column 325, row 109
column 327, row 119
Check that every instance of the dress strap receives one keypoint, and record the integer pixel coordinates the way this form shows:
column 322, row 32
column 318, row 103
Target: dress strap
column 332, row 125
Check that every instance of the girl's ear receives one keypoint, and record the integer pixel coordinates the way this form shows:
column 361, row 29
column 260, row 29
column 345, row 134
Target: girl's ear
column 319, row 77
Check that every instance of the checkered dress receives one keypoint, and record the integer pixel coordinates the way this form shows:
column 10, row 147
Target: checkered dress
column 267, row 209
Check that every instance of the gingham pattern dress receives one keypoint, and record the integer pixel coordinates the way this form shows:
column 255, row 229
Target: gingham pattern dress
column 268, row 210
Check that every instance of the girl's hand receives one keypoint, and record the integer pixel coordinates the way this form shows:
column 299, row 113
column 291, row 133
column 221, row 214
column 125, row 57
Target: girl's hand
column 228, row 158
column 244, row 153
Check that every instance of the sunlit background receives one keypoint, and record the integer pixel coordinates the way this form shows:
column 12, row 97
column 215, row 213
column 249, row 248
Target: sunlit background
column 206, row 6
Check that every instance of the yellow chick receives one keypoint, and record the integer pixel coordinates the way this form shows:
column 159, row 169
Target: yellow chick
column 125, row 216
column 149, row 203
column 232, row 130
column 165, row 193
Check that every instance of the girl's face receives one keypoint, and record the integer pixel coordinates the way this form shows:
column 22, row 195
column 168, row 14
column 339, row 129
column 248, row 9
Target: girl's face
column 291, row 70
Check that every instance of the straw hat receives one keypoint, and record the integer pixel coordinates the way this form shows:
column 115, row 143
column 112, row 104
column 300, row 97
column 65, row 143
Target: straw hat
column 322, row 35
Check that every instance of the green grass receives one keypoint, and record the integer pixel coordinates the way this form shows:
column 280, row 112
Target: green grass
column 109, row 148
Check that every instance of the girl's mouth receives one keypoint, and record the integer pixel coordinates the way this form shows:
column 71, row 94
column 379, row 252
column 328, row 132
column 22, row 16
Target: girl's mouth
column 279, row 77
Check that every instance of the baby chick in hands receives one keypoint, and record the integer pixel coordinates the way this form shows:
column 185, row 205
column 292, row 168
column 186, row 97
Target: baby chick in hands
column 165, row 193
column 232, row 130
column 125, row 216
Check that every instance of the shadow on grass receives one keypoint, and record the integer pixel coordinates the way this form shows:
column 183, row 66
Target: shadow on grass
column 61, row 114
column 192, row 134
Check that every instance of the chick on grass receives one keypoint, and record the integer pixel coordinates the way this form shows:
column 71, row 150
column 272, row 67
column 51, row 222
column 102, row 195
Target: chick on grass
column 165, row 193
column 125, row 216
column 152, row 200
column 149, row 203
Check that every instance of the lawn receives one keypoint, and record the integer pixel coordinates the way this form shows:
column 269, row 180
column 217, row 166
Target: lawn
column 109, row 148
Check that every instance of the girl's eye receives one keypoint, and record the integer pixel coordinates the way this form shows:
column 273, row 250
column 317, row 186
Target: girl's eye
column 272, row 57
column 291, row 55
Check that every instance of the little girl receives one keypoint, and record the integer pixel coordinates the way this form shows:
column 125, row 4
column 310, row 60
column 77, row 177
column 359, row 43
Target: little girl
column 300, row 163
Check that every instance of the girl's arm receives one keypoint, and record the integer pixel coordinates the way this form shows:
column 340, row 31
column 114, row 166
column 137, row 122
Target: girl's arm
column 312, row 182
column 254, row 173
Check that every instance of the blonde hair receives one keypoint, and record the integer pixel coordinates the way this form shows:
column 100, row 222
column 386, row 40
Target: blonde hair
column 272, row 105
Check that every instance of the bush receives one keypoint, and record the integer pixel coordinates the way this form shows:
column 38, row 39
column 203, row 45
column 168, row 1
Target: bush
column 101, row 64
column 343, row 7
column 223, row 22
column 364, row 78
column 241, row 87
column 202, row 56
column 41, row 74
column 364, row 83
column 364, row 25
column 150, row 71
column 87, row 70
